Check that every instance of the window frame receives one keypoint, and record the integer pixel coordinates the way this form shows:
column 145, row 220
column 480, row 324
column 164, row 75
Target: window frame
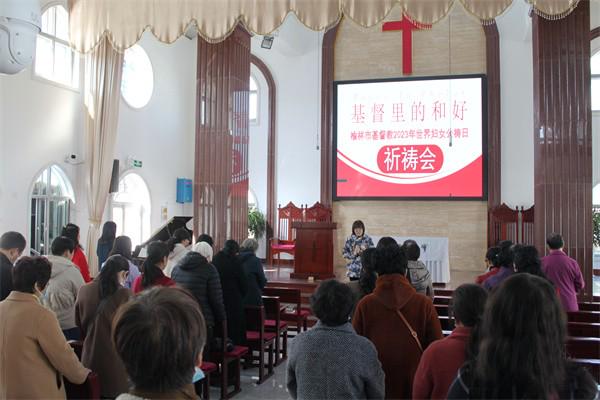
column 75, row 57
column 256, row 121
column 594, row 51
column 134, row 108
column 114, row 203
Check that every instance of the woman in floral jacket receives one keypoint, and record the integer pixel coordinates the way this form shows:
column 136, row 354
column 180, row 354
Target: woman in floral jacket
column 355, row 245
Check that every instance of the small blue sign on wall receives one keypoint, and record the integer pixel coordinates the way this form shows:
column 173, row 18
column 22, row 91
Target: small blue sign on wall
column 184, row 190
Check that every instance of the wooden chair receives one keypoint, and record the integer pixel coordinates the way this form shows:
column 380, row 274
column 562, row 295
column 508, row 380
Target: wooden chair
column 89, row 389
column 260, row 341
column 317, row 213
column 442, row 299
column 224, row 358
column 77, row 346
column 273, row 323
column 286, row 240
column 294, row 311
column 503, row 224
column 203, row 387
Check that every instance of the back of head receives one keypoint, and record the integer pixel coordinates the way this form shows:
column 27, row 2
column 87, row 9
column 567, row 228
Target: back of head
column 492, row 255
column 31, row 270
column 368, row 276
column 555, row 241
column 109, row 281
column 12, row 240
column 231, row 248
column 332, row 303
column 527, row 260
column 159, row 335
column 72, row 232
column 505, row 256
column 179, row 235
column 205, row 238
column 122, row 247
column 390, row 259
column 412, row 250
column 522, row 340
column 204, row 249
column 468, row 303
column 386, row 241
column 157, row 251
column 61, row 244
column 249, row 244
column 109, row 232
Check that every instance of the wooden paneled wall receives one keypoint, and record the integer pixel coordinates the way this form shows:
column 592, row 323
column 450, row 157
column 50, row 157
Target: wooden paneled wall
column 221, row 165
column 563, row 135
column 453, row 46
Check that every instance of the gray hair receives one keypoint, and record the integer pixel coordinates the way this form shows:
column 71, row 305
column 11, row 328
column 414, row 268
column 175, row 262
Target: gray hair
column 249, row 244
column 204, row 249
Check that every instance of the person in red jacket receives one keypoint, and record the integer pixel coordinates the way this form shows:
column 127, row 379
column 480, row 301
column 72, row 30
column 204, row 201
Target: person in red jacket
column 491, row 263
column 442, row 359
column 152, row 269
column 72, row 232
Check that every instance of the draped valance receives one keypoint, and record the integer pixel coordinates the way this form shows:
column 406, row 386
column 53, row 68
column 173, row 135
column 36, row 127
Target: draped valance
column 124, row 21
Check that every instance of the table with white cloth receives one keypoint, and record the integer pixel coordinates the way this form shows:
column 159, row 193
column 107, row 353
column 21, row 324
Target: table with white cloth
column 434, row 254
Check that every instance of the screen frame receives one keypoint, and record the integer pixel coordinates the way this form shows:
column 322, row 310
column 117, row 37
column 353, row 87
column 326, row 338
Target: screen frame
column 484, row 138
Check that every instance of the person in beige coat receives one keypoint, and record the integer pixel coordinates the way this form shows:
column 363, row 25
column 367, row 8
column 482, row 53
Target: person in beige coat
column 34, row 354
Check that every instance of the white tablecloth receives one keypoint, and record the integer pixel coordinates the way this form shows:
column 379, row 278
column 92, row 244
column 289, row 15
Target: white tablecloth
column 434, row 254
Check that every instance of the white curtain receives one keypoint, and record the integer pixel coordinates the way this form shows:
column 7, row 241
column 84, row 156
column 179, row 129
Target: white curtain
column 104, row 69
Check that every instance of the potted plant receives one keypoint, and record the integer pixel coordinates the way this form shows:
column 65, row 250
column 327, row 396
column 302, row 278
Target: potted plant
column 596, row 227
column 256, row 223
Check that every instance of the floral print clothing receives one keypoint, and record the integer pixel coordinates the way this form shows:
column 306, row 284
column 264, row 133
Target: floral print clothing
column 352, row 250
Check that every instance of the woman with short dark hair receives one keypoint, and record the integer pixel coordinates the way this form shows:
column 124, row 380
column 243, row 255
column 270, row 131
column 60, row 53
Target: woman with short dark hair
column 72, row 232
column 178, row 247
column 442, row 359
column 505, row 259
column 491, row 264
column 106, row 241
column 159, row 335
column 320, row 365
column 35, row 353
column 522, row 348
column 152, row 269
column 395, row 306
column 122, row 247
column 96, row 305
column 356, row 243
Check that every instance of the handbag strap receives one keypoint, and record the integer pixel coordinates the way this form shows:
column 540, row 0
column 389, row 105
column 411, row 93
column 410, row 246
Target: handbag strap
column 413, row 333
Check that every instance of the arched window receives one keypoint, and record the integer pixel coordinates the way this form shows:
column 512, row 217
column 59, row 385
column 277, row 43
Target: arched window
column 595, row 69
column 131, row 208
column 54, row 59
column 51, row 199
column 252, row 202
column 137, row 84
column 253, row 110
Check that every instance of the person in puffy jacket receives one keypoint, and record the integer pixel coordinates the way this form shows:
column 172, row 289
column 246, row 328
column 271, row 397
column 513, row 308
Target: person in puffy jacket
column 418, row 275
column 254, row 272
column 195, row 273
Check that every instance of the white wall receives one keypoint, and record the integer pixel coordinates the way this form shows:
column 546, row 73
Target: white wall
column 516, row 93
column 295, row 62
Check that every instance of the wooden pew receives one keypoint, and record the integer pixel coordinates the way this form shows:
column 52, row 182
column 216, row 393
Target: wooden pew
column 589, row 306
column 583, row 347
column 442, row 292
column 442, row 309
column 584, row 316
column 583, row 329
column 442, row 299
column 591, row 364
column 447, row 323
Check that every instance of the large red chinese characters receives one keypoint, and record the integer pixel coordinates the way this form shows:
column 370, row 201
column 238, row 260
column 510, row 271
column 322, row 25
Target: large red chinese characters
column 411, row 159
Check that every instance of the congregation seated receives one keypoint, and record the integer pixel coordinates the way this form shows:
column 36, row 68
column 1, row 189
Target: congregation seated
column 195, row 273
column 235, row 287
column 521, row 348
column 106, row 241
column 418, row 274
column 12, row 245
column 34, row 352
column 366, row 283
column 395, row 306
column 122, row 247
column 505, row 260
column 442, row 359
column 64, row 285
column 159, row 335
column 178, row 248
column 331, row 361
column 152, row 269
column 255, row 273
column 96, row 305
column 79, row 259
column 491, row 263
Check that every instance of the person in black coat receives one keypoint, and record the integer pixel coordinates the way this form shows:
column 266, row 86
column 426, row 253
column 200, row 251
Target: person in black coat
column 12, row 245
column 254, row 272
column 195, row 273
column 235, row 287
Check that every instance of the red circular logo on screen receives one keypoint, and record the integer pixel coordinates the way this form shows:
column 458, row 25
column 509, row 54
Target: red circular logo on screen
column 410, row 159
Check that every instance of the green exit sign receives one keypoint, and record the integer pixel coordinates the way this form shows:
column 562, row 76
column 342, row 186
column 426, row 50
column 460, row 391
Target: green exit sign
column 135, row 163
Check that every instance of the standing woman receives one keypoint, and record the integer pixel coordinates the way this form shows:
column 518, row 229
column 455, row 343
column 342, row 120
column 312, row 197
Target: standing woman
column 355, row 245
column 122, row 247
column 235, row 287
column 106, row 241
column 254, row 272
column 178, row 248
column 72, row 232
column 96, row 305
column 152, row 269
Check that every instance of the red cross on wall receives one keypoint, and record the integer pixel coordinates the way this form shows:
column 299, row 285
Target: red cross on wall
column 406, row 26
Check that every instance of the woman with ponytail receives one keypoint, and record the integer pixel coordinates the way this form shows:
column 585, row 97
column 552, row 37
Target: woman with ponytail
column 72, row 232
column 122, row 247
column 152, row 269
column 178, row 248
column 95, row 309
column 442, row 359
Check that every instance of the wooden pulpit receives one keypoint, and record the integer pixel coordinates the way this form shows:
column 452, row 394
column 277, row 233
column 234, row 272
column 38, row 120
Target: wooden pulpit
column 314, row 250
